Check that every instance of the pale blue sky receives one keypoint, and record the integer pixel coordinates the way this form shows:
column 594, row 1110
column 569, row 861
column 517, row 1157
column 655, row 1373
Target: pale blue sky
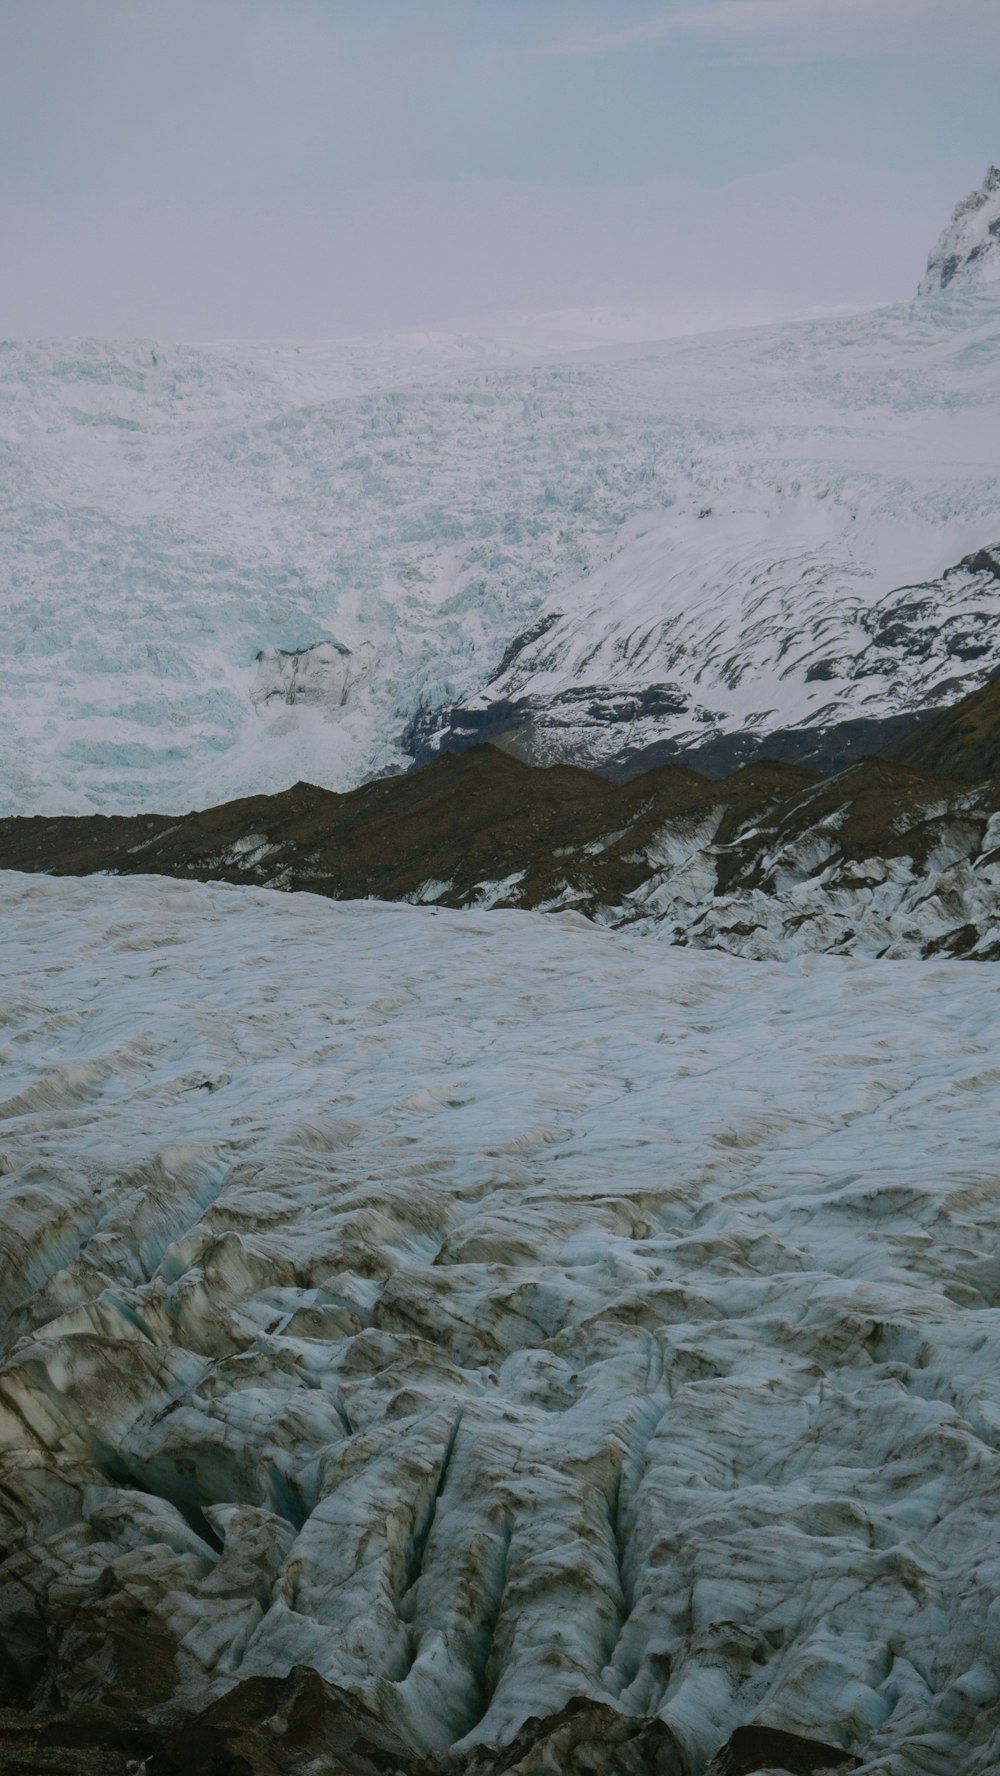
column 207, row 167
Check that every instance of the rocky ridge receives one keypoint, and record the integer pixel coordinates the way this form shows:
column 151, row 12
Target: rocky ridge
column 883, row 860
column 968, row 252
column 302, row 1726
column 961, row 742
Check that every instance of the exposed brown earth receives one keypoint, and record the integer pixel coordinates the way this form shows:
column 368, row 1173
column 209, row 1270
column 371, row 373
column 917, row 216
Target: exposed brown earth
column 467, row 819
column 481, row 828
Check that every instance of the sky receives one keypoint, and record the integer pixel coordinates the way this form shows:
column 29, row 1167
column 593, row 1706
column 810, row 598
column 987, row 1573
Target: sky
column 197, row 169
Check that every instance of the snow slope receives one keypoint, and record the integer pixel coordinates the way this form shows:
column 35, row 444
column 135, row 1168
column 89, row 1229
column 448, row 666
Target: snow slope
column 489, row 1311
column 723, row 516
column 755, row 622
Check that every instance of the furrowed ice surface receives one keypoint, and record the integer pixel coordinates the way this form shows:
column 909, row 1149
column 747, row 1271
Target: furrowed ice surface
column 718, row 536
column 489, row 1311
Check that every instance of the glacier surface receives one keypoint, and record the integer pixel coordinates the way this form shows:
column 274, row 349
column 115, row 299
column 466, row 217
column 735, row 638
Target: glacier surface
column 488, row 1310
column 731, row 517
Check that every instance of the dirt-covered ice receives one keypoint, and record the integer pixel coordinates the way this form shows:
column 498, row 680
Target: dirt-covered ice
column 487, row 1310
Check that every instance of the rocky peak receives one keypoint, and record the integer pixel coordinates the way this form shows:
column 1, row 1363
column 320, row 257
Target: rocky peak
column 968, row 251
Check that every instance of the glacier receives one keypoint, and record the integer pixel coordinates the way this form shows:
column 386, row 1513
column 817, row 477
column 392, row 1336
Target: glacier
column 709, row 528
column 488, row 1311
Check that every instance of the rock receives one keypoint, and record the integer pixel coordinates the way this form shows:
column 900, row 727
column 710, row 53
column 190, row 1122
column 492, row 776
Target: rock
column 771, row 861
column 968, row 252
column 755, row 1748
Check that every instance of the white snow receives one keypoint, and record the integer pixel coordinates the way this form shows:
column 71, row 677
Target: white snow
column 761, row 616
column 530, row 1311
column 169, row 514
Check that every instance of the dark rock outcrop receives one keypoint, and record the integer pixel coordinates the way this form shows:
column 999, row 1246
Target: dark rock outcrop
column 770, row 859
column 968, row 251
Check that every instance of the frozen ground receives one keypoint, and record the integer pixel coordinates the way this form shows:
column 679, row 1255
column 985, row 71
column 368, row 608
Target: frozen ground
column 729, row 516
column 490, row 1310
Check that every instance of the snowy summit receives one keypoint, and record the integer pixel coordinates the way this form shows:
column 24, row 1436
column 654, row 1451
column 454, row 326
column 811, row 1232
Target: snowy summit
column 968, row 251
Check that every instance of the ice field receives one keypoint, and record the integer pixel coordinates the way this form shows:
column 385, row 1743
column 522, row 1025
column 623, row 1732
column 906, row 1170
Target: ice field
column 720, row 514
column 487, row 1310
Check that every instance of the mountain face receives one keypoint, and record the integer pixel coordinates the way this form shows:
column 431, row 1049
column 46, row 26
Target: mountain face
column 229, row 568
column 771, row 862
column 640, row 668
column 961, row 742
column 968, row 252
column 442, row 1343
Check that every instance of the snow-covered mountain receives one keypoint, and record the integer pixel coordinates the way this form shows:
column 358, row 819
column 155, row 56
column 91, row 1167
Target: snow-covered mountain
column 711, row 649
column 501, row 1318
column 686, row 545
column 968, row 251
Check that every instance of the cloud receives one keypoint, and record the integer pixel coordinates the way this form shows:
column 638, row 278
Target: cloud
column 420, row 253
column 813, row 27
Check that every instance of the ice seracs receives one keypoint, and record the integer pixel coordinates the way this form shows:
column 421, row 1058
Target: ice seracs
column 323, row 674
column 716, row 526
column 968, row 252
